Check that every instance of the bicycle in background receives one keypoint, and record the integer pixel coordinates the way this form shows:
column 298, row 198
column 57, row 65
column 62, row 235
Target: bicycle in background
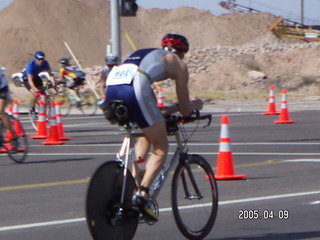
column 110, row 213
column 68, row 101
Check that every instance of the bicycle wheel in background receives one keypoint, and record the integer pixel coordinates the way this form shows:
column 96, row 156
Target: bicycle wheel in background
column 65, row 101
column 102, row 204
column 17, row 150
column 88, row 102
column 194, row 197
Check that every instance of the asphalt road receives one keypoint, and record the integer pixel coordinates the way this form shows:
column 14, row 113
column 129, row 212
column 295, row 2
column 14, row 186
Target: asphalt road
column 44, row 198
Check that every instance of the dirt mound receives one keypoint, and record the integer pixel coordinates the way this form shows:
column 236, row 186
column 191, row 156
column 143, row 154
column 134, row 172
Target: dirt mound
column 227, row 52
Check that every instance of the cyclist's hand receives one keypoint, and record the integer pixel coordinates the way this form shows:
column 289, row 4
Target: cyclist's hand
column 197, row 103
column 37, row 94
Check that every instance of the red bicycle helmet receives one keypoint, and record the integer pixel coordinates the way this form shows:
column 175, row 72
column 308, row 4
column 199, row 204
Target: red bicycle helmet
column 175, row 42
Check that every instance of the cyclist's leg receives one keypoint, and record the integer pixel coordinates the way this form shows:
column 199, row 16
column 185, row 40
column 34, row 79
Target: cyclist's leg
column 157, row 136
column 142, row 147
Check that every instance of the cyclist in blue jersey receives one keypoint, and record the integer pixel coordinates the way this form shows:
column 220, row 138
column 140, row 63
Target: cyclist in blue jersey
column 131, row 82
column 34, row 83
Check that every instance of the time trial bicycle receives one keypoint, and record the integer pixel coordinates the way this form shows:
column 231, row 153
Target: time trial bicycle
column 110, row 213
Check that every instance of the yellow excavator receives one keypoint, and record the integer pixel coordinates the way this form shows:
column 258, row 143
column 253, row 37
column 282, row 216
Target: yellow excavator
column 282, row 27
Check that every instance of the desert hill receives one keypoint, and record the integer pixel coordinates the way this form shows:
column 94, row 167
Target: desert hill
column 227, row 52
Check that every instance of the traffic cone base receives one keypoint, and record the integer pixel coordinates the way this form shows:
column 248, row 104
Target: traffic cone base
column 53, row 138
column 284, row 113
column 225, row 170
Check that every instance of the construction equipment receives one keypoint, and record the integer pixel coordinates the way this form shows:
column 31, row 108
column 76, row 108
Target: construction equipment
column 282, row 27
column 290, row 29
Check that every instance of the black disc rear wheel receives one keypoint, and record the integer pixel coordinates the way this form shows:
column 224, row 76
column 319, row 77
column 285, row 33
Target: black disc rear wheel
column 103, row 204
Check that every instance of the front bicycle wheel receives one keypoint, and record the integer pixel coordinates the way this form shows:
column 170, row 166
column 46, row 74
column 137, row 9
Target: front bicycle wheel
column 106, row 217
column 17, row 150
column 194, row 197
column 88, row 102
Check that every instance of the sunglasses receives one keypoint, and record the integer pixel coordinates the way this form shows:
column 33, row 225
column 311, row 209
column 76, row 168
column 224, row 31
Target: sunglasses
column 40, row 59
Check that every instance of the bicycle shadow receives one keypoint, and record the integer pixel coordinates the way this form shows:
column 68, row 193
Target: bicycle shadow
column 277, row 236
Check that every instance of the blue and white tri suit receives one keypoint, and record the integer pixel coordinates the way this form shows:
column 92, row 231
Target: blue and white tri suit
column 131, row 82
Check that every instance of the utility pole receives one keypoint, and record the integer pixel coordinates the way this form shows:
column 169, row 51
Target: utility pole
column 302, row 12
column 115, row 29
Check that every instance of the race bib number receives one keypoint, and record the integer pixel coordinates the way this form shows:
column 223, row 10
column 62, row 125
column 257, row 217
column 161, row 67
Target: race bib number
column 122, row 74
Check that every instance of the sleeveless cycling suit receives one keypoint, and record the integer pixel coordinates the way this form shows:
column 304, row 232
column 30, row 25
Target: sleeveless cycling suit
column 131, row 81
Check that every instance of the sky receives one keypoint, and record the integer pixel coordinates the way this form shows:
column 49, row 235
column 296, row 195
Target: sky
column 289, row 9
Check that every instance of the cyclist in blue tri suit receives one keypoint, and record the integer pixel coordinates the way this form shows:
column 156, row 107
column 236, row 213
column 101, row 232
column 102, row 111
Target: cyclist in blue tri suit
column 34, row 83
column 131, row 82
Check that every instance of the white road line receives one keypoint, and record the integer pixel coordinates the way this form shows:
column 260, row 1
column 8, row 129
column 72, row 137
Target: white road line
column 204, row 144
column 302, row 160
column 170, row 153
column 228, row 202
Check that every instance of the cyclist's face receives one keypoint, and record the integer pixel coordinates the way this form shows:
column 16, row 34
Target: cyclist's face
column 40, row 61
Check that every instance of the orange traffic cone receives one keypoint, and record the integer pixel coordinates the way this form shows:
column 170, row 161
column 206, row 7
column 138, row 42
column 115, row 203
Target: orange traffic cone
column 284, row 113
column 16, row 121
column 272, row 104
column 225, row 170
column 53, row 138
column 160, row 98
column 41, row 122
column 59, row 122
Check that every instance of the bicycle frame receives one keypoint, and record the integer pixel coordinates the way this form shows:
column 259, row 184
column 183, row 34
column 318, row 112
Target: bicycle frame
column 127, row 154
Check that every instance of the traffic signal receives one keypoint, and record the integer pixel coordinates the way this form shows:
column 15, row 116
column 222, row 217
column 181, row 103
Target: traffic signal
column 129, row 8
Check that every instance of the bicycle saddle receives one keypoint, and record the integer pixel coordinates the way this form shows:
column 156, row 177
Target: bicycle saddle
column 116, row 111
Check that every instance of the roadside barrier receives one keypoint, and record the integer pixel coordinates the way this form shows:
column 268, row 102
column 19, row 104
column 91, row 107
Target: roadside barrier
column 59, row 122
column 53, row 138
column 284, row 113
column 225, row 168
column 271, row 104
column 160, row 97
column 41, row 122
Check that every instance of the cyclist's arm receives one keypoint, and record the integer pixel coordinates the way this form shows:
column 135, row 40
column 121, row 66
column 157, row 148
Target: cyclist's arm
column 178, row 71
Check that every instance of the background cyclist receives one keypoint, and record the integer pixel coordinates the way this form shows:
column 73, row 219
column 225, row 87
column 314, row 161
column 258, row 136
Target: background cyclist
column 111, row 61
column 4, row 98
column 34, row 83
column 73, row 76
column 140, row 70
